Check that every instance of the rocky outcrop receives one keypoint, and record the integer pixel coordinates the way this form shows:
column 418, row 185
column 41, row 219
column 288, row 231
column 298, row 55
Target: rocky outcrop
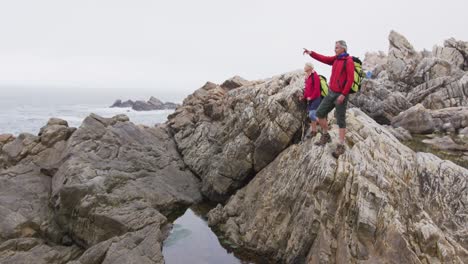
column 72, row 190
column 227, row 136
column 445, row 143
column 152, row 104
column 102, row 193
column 420, row 120
column 34, row 250
column 234, row 82
column 406, row 77
column 378, row 203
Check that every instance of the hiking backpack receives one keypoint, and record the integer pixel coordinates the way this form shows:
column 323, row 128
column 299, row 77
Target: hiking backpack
column 323, row 86
column 358, row 74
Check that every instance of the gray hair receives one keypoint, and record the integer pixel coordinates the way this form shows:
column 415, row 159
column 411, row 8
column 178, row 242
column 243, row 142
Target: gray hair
column 309, row 65
column 342, row 44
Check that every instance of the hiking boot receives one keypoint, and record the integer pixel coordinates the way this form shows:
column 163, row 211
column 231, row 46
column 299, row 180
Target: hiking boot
column 340, row 149
column 324, row 139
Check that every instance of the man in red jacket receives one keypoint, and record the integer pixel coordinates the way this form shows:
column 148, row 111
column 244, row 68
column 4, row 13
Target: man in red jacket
column 341, row 80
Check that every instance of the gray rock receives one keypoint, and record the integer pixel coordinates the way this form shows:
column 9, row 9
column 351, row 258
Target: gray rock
column 170, row 105
column 399, row 132
column 402, row 58
column 234, row 82
column 445, row 143
column 420, row 120
column 57, row 121
column 378, row 203
column 119, row 178
column 451, row 55
column 225, row 137
column 463, row 132
column 119, row 103
column 158, row 104
column 143, row 246
column 24, row 196
column 143, row 106
column 34, row 250
column 434, row 79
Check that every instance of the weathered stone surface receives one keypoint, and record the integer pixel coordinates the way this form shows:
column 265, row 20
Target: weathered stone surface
column 152, row 104
column 378, row 203
column 24, row 194
column 118, row 178
column 108, row 179
column 436, row 79
column 226, row 137
column 34, row 250
column 402, row 58
column 234, row 82
column 399, row 132
column 445, row 143
column 420, row 120
column 143, row 246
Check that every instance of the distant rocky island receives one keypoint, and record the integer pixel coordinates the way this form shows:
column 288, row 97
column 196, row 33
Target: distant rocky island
column 152, row 104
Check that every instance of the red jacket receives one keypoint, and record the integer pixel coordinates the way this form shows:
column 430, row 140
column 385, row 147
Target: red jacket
column 312, row 86
column 340, row 81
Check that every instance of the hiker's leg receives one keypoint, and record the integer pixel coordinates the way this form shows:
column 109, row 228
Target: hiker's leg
column 323, row 124
column 342, row 134
column 313, row 120
column 340, row 113
column 327, row 104
column 313, row 126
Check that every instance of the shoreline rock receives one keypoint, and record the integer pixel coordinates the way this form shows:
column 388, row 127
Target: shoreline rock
column 152, row 104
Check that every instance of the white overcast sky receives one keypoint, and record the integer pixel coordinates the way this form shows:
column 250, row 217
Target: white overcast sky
column 173, row 47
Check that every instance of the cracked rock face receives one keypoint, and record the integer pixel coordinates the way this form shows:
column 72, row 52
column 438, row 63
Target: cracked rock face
column 406, row 77
column 228, row 135
column 378, row 203
column 105, row 187
column 420, row 120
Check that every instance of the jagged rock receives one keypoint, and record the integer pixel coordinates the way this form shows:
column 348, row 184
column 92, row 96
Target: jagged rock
column 34, row 250
column 143, row 246
column 445, row 143
column 119, row 103
column 435, row 79
column 451, row 55
column 420, row 120
column 461, row 46
column 109, row 179
column 399, row 132
column 378, row 100
column 234, row 83
column 5, row 138
column 463, row 131
column 158, row 104
column 56, row 130
column 24, row 196
column 152, row 104
column 142, row 106
column 402, row 58
column 118, row 178
column 452, row 94
column 378, row 203
column 169, row 105
column 21, row 146
column 226, row 137
column 57, row 121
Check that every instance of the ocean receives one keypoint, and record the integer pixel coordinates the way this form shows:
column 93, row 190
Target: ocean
column 20, row 115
